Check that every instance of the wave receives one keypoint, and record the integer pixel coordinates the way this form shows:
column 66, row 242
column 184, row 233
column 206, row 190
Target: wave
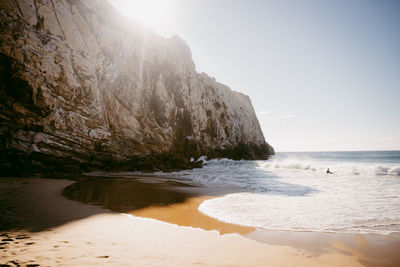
column 294, row 193
column 337, row 167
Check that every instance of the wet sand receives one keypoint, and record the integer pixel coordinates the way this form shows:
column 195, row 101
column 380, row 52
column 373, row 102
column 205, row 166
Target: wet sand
column 187, row 214
column 40, row 226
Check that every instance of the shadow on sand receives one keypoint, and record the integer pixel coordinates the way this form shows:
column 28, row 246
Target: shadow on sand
column 37, row 204
column 127, row 194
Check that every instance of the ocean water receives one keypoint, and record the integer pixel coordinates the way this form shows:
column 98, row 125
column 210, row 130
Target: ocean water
column 292, row 191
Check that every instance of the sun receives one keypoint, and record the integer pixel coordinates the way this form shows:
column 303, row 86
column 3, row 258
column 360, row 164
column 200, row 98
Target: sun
column 155, row 14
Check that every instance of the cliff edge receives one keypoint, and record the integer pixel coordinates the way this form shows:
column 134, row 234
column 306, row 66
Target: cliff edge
column 83, row 88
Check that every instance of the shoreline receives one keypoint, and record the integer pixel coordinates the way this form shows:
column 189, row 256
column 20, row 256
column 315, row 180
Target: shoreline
column 74, row 233
column 367, row 247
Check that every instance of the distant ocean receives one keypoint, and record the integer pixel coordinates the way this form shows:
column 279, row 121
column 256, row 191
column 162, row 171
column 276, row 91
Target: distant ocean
column 292, row 191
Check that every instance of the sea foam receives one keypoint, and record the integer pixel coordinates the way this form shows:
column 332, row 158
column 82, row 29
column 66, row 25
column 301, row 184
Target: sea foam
column 293, row 192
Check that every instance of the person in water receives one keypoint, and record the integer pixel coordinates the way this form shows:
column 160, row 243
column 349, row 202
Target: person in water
column 328, row 171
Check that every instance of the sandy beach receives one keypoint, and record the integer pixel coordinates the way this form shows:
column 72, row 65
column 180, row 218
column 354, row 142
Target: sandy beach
column 160, row 226
column 199, row 133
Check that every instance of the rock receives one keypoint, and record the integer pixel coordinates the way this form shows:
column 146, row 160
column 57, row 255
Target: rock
column 83, row 88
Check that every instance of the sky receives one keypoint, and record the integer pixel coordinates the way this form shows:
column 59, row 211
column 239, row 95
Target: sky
column 322, row 75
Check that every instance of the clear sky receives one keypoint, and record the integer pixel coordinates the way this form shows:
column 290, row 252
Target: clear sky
column 322, row 75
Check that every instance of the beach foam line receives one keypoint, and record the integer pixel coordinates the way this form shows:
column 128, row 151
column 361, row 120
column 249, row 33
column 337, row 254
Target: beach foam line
column 295, row 213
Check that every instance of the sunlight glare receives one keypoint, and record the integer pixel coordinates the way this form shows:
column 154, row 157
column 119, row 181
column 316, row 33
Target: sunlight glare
column 155, row 14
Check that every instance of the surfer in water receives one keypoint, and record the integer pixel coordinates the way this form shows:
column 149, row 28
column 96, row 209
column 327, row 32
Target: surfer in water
column 328, row 171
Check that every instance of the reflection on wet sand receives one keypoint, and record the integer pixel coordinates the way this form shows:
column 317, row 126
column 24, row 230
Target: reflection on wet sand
column 175, row 203
column 121, row 194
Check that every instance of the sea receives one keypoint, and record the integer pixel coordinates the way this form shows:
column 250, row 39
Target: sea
column 293, row 191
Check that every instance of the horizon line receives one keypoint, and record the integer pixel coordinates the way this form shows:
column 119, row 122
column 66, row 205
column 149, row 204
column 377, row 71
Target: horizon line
column 388, row 150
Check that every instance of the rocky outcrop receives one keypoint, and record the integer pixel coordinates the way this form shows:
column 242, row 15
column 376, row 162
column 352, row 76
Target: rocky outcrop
column 83, row 88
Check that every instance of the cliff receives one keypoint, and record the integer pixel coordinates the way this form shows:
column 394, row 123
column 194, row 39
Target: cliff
column 83, row 88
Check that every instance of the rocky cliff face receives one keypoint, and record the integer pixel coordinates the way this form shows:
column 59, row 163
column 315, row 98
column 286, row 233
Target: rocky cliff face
column 83, row 88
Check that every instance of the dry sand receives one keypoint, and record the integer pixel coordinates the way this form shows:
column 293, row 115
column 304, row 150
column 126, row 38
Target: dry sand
column 40, row 226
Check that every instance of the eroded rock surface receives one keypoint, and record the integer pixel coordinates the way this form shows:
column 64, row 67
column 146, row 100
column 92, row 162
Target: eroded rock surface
column 84, row 88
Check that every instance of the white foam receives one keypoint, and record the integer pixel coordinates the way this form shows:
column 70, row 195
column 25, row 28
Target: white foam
column 317, row 212
column 318, row 167
column 298, row 195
